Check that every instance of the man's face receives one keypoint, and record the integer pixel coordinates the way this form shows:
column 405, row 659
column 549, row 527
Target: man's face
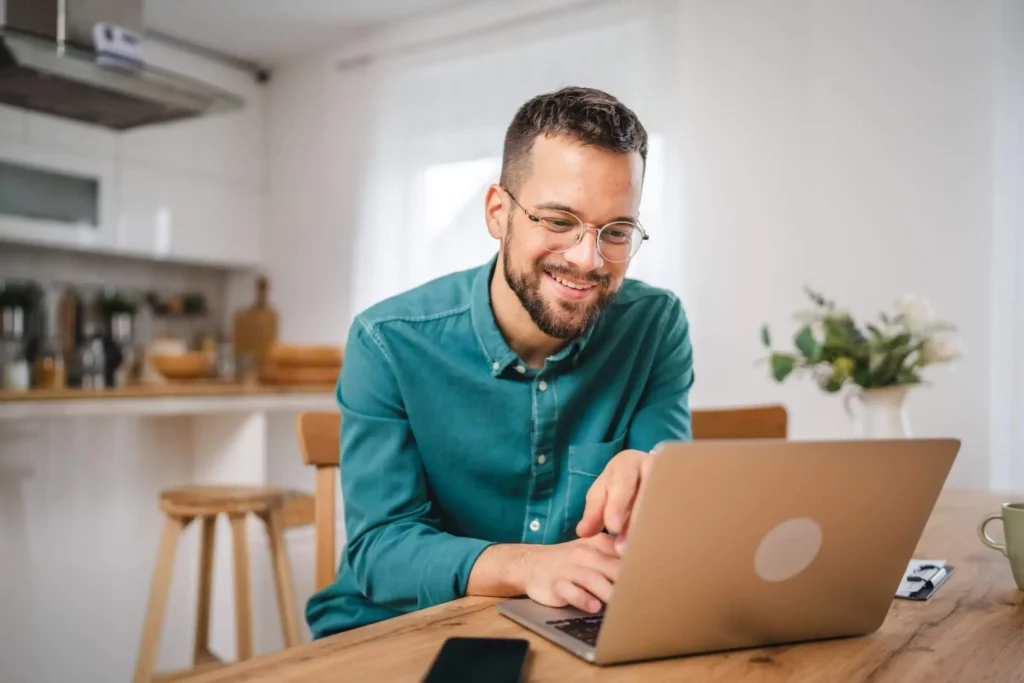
column 564, row 293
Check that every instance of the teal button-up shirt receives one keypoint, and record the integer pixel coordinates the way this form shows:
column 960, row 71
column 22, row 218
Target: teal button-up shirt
column 450, row 443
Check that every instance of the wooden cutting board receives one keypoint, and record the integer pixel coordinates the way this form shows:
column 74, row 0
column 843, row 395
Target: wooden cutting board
column 255, row 329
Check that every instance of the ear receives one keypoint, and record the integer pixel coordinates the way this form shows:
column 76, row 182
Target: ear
column 496, row 208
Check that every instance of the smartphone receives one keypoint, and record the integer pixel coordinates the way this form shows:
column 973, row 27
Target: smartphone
column 495, row 660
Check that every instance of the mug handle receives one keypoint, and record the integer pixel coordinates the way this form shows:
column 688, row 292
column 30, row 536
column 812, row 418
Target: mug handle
column 985, row 537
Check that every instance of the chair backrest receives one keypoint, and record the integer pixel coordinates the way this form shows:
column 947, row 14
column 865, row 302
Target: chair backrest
column 320, row 440
column 749, row 422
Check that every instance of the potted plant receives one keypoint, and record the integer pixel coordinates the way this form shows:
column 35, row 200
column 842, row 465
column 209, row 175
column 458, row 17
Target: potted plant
column 880, row 361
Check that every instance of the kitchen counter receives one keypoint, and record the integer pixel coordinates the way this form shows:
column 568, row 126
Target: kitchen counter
column 80, row 478
column 185, row 398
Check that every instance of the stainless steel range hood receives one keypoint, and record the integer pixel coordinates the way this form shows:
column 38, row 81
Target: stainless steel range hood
column 50, row 62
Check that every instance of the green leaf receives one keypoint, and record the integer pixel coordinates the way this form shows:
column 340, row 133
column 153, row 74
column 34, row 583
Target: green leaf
column 807, row 345
column 782, row 365
column 900, row 340
column 766, row 337
column 908, row 376
column 832, row 385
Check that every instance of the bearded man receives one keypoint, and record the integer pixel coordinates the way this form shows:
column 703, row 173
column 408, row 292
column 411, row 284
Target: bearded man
column 497, row 423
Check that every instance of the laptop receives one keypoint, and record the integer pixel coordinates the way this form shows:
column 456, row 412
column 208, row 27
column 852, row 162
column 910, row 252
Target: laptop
column 743, row 544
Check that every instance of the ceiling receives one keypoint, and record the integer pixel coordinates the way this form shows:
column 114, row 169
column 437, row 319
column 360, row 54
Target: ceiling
column 267, row 31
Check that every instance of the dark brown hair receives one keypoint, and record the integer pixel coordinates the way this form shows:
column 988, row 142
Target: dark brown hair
column 591, row 116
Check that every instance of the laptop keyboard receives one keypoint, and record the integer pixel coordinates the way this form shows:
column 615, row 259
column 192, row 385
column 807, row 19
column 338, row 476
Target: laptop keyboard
column 580, row 628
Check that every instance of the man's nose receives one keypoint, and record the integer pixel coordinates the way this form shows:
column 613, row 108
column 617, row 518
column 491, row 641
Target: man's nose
column 585, row 255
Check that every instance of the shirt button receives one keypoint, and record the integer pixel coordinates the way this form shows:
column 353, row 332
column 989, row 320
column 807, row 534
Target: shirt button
column 495, row 365
column 541, row 459
column 543, row 386
column 535, row 525
column 520, row 369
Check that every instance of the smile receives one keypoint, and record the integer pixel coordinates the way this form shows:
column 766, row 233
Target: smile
column 572, row 285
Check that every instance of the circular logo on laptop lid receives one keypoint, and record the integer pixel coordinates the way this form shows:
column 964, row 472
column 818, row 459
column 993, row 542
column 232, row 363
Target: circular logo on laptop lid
column 788, row 549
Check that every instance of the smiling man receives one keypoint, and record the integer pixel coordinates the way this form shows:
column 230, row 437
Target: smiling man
column 497, row 422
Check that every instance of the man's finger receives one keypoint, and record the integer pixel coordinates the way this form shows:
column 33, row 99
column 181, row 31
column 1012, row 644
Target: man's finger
column 645, row 473
column 576, row 596
column 603, row 543
column 594, row 583
column 621, row 491
column 606, row 563
column 593, row 514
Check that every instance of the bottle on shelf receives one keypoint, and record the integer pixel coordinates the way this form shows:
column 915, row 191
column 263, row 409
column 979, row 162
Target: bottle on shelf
column 255, row 331
column 49, row 370
column 12, row 350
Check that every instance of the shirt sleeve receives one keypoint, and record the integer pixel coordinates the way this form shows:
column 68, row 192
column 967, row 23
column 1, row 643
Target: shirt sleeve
column 663, row 413
column 397, row 552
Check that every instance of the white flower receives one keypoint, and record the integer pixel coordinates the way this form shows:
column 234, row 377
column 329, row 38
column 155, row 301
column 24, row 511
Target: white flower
column 917, row 312
column 807, row 317
column 941, row 350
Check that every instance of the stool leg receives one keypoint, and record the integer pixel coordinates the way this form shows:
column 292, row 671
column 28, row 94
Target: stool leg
column 201, row 651
column 161, row 588
column 243, row 606
column 282, row 577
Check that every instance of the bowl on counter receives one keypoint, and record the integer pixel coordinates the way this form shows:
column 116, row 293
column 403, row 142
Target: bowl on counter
column 304, row 356
column 183, row 366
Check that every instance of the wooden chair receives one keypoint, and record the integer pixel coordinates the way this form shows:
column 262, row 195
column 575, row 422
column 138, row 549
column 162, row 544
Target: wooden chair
column 749, row 422
column 320, row 440
column 204, row 504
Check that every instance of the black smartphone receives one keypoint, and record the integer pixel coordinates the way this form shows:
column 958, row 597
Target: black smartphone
column 495, row 660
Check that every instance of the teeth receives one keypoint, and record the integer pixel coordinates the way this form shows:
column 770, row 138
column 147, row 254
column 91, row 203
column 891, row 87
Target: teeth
column 570, row 285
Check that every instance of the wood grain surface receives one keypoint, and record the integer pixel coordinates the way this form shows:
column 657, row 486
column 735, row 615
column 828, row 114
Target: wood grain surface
column 972, row 630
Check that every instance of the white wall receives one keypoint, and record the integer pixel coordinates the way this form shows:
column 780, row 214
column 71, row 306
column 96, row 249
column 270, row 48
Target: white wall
column 313, row 149
column 845, row 145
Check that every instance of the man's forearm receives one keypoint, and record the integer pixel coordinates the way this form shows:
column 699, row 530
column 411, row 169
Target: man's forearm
column 500, row 570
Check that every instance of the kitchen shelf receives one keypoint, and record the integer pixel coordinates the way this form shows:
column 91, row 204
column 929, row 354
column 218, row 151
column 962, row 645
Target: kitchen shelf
column 197, row 398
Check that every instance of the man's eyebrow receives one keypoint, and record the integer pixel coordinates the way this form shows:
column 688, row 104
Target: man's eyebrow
column 555, row 206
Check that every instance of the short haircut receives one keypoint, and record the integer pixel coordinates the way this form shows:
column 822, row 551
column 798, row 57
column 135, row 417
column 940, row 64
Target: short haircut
column 593, row 117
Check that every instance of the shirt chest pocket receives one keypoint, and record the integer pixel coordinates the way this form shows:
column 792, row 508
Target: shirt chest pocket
column 586, row 462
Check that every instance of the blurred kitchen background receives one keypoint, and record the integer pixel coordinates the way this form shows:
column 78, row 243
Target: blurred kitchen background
column 269, row 169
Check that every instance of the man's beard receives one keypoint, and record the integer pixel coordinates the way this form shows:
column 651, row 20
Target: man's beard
column 565, row 319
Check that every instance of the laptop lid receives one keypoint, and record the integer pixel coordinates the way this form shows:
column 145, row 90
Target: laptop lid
column 748, row 543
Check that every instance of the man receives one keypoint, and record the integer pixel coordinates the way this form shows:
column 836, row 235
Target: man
column 497, row 422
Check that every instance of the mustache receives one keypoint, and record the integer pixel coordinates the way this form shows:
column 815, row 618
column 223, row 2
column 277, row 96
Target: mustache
column 564, row 271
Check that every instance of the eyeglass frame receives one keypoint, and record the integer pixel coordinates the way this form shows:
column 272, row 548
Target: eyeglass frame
column 579, row 233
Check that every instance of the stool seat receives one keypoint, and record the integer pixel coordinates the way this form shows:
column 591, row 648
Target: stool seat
column 201, row 501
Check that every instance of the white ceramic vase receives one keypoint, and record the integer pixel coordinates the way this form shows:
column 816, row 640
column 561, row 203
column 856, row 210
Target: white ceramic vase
column 880, row 413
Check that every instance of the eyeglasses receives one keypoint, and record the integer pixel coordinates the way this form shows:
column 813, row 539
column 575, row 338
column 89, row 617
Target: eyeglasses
column 617, row 241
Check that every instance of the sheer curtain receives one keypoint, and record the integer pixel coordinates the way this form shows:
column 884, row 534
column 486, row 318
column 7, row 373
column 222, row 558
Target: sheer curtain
column 440, row 119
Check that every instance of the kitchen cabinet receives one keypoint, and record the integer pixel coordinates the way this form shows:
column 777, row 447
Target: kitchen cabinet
column 13, row 124
column 169, row 214
column 53, row 198
column 70, row 137
column 189, row 191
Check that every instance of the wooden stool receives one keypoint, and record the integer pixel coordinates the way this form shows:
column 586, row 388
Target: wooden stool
column 182, row 505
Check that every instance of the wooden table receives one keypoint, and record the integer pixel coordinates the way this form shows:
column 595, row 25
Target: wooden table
column 971, row 631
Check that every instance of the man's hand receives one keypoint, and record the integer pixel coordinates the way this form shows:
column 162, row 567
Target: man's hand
column 580, row 573
column 614, row 494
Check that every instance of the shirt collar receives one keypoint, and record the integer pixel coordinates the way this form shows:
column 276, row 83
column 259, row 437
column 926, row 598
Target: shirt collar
column 492, row 342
